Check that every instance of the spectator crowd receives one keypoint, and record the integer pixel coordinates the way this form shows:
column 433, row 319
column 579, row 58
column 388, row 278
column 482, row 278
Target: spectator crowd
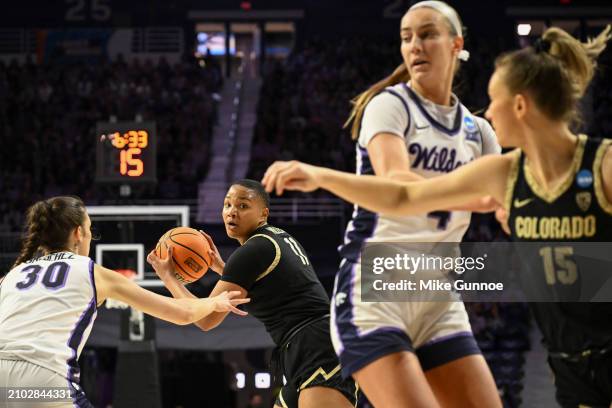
column 48, row 116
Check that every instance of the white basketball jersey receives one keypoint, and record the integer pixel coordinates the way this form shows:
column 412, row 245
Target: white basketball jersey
column 47, row 309
column 438, row 140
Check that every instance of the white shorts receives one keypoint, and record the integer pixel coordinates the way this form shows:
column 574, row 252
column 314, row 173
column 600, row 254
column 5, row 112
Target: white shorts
column 362, row 332
column 27, row 385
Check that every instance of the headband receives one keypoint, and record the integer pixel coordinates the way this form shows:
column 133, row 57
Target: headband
column 450, row 14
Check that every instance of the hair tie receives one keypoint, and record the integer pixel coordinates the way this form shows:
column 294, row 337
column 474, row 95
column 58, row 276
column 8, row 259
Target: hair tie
column 541, row 45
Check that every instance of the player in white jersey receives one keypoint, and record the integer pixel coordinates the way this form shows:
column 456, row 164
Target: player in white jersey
column 410, row 126
column 49, row 301
column 535, row 93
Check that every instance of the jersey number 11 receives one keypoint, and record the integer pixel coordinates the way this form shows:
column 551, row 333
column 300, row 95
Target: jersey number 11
column 297, row 250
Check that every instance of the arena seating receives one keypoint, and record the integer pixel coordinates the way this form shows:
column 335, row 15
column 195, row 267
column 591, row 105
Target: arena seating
column 48, row 115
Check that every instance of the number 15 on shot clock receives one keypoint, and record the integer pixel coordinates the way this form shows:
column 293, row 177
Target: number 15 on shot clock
column 126, row 152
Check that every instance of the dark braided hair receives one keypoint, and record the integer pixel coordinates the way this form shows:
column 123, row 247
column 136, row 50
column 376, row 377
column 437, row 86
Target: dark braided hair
column 49, row 224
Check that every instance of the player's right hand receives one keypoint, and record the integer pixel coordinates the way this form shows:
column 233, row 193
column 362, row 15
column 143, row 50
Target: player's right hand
column 217, row 262
column 164, row 268
column 291, row 175
column 225, row 302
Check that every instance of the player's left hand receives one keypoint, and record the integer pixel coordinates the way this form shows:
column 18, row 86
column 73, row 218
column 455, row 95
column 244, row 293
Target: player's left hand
column 164, row 268
column 291, row 175
column 227, row 302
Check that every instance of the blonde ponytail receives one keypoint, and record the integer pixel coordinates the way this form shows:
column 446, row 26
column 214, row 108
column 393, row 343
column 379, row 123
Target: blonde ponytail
column 399, row 75
column 556, row 71
column 579, row 59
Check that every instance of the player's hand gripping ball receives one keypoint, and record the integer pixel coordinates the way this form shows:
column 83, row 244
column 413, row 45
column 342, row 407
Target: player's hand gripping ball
column 189, row 253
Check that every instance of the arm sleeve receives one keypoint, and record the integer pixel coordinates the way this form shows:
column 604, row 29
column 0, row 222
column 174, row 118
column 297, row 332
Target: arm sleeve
column 489, row 139
column 385, row 113
column 250, row 261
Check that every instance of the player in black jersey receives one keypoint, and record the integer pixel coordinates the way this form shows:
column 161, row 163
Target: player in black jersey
column 556, row 186
column 286, row 296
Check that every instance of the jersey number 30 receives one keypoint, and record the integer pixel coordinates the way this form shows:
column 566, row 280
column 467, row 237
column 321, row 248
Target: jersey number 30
column 54, row 277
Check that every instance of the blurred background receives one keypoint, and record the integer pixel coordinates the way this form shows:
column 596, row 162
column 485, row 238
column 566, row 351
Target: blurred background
column 148, row 109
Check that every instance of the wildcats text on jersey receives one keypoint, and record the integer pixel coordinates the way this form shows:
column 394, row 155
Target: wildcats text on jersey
column 430, row 158
column 574, row 227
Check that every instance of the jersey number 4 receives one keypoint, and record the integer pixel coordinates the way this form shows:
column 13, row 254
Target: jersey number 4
column 54, row 277
column 297, row 250
column 443, row 218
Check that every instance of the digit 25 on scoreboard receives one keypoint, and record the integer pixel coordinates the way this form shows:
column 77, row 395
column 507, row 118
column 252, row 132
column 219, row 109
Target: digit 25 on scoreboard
column 126, row 152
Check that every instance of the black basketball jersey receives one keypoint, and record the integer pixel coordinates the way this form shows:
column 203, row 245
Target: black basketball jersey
column 280, row 280
column 577, row 211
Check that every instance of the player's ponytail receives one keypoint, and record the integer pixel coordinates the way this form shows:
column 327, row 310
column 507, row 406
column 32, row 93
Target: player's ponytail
column 399, row 75
column 555, row 72
column 579, row 59
column 49, row 224
column 36, row 219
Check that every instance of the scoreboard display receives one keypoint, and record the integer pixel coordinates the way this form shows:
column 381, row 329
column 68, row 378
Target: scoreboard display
column 126, row 152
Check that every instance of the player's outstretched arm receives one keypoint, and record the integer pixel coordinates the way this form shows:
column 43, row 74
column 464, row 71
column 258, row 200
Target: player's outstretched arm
column 256, row 258
column 390, row 159
column 212, row 320
column 165, row 270
column 484, row 176
column 110, row 284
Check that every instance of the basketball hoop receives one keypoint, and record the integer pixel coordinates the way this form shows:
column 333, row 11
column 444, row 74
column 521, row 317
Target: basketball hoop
column 128, row 273
column 115, row 304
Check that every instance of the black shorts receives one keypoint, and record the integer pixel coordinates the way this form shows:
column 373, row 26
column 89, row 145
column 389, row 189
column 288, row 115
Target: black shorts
column 309, row 360
column 584, row 382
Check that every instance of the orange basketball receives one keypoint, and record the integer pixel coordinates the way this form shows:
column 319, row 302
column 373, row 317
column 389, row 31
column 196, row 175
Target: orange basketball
column 189, row 253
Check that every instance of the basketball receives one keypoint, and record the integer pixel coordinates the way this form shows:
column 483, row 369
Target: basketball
column 190, row 253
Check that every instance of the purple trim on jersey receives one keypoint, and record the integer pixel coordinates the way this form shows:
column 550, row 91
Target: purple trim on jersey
column 358, row 350
column 72, row 393
column 394, row 92
column 344, row 311
column 79, row 400
column 482, row 146
column 367, row 349
column 76, row 336
column 93, row 282
column 458, row 116
column 363, row 222
column 447, row 337
column 446, row 349
column 366, row 164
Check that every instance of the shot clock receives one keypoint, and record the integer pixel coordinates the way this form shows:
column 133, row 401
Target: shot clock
column 126, row 152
